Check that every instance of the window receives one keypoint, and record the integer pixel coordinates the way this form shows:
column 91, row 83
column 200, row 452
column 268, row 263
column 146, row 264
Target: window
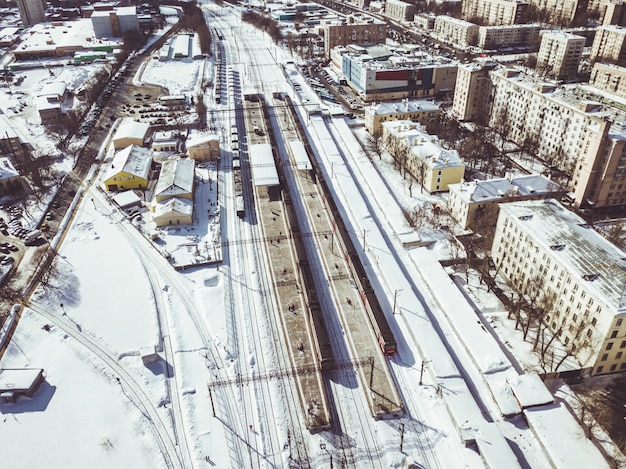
column 613, row 334
column 594, row 321
column 619, row 322
column 609, row 346
column 613, row 367
column 618, row 355
column 604, row 357
column 599, row 369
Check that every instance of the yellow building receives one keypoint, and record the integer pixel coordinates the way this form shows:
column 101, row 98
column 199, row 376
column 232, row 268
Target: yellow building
column 433, row 166
column 176, row 180
column 203, row 147
column 130, row 169
column 173, row 211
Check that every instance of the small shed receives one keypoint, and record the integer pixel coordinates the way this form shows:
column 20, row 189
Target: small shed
column 529, row 391
column 127, row 199
column 15, row 382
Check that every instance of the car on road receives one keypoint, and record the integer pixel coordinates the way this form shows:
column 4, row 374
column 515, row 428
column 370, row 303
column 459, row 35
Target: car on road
column 7, row 260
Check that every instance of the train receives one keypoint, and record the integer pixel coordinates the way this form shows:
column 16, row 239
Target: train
column 239, row 200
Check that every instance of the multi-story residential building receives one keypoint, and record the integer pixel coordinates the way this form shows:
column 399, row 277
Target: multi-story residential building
column 495, row 12
column 377, row 75
column 12, row 141
column 615, row 13
column 519, row 35
column 399, row 10
column 356, row 30
column 114, row 23
column 433, row 166
column 455, row 31
column 574, row 134
column 424, row 112
column 608, row 77
column 425, row 20
column 609, row 45
column 559, row 54
column 548, row 252
column 475, row 204
column 31, row 11
column 472, row 91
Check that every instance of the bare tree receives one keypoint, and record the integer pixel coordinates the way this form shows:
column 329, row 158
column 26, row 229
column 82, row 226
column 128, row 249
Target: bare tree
column 375, row 145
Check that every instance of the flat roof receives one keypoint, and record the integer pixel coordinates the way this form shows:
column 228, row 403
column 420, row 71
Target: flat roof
column 18, row 379
column 130, row 128
column 299, row 155
column 495, row 189
column 262, row 165
column 529, row 390
column 406, row 106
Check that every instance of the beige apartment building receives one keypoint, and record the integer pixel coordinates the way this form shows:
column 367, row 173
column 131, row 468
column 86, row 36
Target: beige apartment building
column 424, row 112
column 472, row 91
column 609, row 45
column 433, row 166
column 400, row 10
column 615, row 13
column 518, row 35
column 582, row 137
column 356, row 30
column 544, row 249
column 559, row 54
column 495, row 12
column 610, row 78
column 475, row 204
column 455, row 31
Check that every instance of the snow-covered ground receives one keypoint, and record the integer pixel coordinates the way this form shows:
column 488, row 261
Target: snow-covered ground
column 113, row 296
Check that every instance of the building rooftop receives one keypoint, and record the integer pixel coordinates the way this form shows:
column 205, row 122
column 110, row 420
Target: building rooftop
column 495, row 189
column 395, row 60
column 18, row 379
column 581, row 250
column 403, row 107
column 130, row 128
column 173, row 204
column 176, row 177
column 457, row 21
column 262, row 165
column 7, row 170
column 132, row 160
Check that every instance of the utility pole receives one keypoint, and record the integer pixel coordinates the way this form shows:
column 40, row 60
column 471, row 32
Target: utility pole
column 212, row 405
column 401, row 435
column 395, row 295
column 422, row 370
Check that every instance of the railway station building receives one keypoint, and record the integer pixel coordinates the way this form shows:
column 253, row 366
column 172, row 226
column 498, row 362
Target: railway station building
column 549, row 253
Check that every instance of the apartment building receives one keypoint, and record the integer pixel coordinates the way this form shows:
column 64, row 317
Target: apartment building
column 400, row 10
column 475, row 204
column 559, row 54
column 356, row 30
column 424, row 112
column 579, row 136
column 609, row 45
column 495, row 12
column 425, row 20
column 518, row 35
column 610, row 78
column 472, row 91
column 455, row 31
column 433, row 166
column 544, row 249
column 114, row 23
column 32, row 11
column 377, row 74
column 615, row 13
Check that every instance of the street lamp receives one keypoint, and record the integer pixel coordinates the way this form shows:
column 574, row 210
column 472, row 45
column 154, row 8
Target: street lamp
column 395, row 295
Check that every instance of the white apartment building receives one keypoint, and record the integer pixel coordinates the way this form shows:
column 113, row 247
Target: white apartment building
column 472, row 91
column 114, row 23
column 543, row 248
column 610, row 78
column 495, row 12
column 455, row 31
column 424, row 20
column 424, row 112
column 609, row 45
column 400, row 10
column 615, row 13
column 518, row 35
column 559, row 54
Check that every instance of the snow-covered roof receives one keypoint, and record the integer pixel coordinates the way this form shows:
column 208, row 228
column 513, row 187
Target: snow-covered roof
column 130, row 128
column 18, row 379
column 403, row 107
column 262, row 165
column 529, row 390
column 299, row 155
column 198, row 139
column 119, row 11
column 44, row 102
column 126, row 199
column 176, row 177
column 132, row 160
column 495, row 189
column 175, row 204
column 563, row 438
column 56, row 89
column 7, row 170
column 577, row 246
